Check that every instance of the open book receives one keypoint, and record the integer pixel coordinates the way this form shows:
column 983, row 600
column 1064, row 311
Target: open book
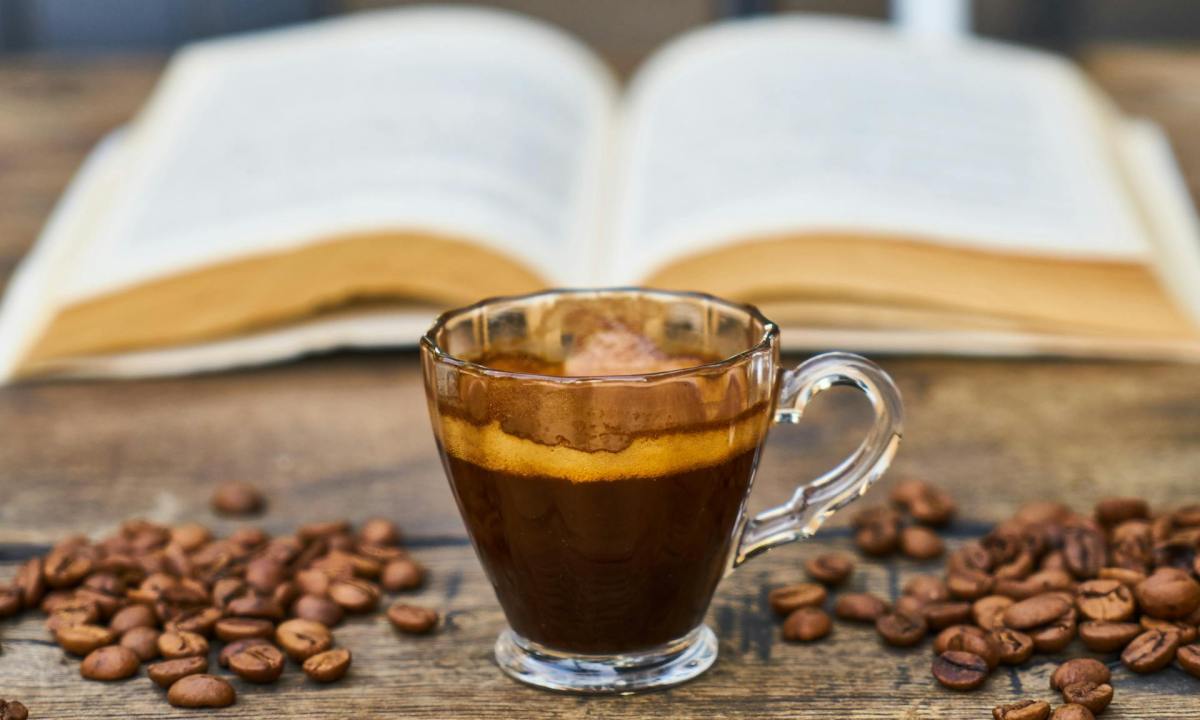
column 336, row 184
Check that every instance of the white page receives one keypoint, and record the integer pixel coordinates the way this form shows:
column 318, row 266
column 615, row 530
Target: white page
column 468, row 122
column 793, row 125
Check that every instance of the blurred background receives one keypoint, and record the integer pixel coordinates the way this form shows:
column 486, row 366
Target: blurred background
column 627, row 29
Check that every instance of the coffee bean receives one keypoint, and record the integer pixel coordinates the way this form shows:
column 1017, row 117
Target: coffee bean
column 935, row 508
column 237, row 646
column 1113, row 511
column 1046, row 580
column 82, row 639
column 354, row 596
column 927, row 588
column 1151, row 651
column 1072, row 712
column 1079, row 670
column 237, row 498
column 941, row 615
column 827, row 568
column 72, row 612
column 859, row 607
column 301, row 639
column 412, row 619
column 320, row 609
column 66, row 567
column 111, row 662
column 988, row 612
column 1124, row 576
column 1105, row 600
column 1187, row 633
column 969, row 584
column 1057, row 635
column 1188, row 658
column 231, row 629
column 133, row 616
column 13, row 710
column 911, row 605
column 900, row 630
column 806, row 624
column 258, row 663
column 968, row 638
column 1168, row 595
column 1093, row 696
column 921, row 543
column 254, row 605
column 264, row 574
column 166, row 673
column 960, row 670
column 315, row 582
column 201, row 621
column 143, row 641
column 878, row 532
column 1014, row 647
column 379, row 531
column 1084, row 549
column 1107, row 637
column 785, row 599
column 1035, row 611
column 329, row 666
column 172, row 645
column 323, row 529
column 201, row 691
column 10, row 602
column 1023, row 710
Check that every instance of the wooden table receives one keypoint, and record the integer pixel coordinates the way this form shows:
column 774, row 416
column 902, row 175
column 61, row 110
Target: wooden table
column 348, row 436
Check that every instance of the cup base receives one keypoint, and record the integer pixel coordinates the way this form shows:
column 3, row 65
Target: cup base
column 623, row 674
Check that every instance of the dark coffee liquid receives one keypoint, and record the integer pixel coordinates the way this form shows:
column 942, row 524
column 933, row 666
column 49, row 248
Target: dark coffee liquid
column 603, row 566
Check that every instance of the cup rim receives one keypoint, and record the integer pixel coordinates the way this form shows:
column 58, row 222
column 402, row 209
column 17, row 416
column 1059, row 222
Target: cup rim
column 439, row 354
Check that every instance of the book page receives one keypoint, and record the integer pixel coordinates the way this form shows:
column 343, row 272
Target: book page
column 471, row 123
column 803, row 125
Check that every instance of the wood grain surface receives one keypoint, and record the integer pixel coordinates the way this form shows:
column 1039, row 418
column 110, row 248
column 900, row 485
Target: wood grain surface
column 347, row 435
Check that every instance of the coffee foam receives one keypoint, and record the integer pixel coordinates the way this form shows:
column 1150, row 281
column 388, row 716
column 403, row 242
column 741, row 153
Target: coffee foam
column 491, row 447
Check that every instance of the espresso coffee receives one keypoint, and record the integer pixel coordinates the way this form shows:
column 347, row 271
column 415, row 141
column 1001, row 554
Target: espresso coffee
column 615, row 551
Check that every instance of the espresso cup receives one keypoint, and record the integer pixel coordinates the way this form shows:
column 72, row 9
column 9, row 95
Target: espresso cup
column 601, row 446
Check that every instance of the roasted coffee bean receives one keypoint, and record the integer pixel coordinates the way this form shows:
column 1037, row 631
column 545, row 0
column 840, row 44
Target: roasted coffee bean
column 911, row 605
column 1124, row 576
column 132, row 616
column 900, row 630
column 968, row 639
column 323, row 529
column 1046, row 580
column 960, row 670
column 827, row 568
column 1023, row 710
column 935, row 508
column 921, row 543
column 1014, row 647
column 1151, row 651
column 10, row 602
column 111, row 662
column 237, row 646
column 355, row 596
column 67, row 567
column 231, row 629
column 1072, row 712
column 201, row 621
column 859, row 607
column 927, row 588
column 1079, row 670
column 785, row 599
column 412, row 619
column 1187, row 633
column 971, row 557
column 379, row 531
column 257, row 663
column 1093, row 696
column 72, row 612
column 1113, row 511
column 301, row 639
column 201, row 691
column 1035, row 611
column 13, row 710
column 166, row 673
column 329, row 666
column 1105, row 600
column 83, row 639
column 1084, row 549
column 285, row 594
column 190, row 536
column 1016, row 569
column 318, row 608
column 1188, row 658
column 988, row 612
column 806, row 624
column 255, row 606
column 878, row 531
column 970, row 585
column 1057, row 635
column 1168, row 595
column 941, row 615
column 172, row 645
column 906, row 491
column 30, row 583
column 237, row 498
column 1108, row 637
column 143, row 641
column 264, row 574
column 315, row 582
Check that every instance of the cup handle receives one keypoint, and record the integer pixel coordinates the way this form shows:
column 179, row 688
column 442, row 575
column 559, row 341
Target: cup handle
column 812, row 504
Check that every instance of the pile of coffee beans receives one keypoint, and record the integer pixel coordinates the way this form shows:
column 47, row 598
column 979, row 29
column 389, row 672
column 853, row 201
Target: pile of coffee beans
column 1121, row 580
column 166, row 595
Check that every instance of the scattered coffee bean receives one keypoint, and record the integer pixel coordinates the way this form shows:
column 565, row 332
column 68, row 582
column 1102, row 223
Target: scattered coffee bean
column 83, row 639
column 926, row 588
column 1014, row 647
column 402, row 574
column 830, row 569
column 1106, row 637
column 859, row 607
column 941, row 615
column 1113, row 511
column 318, row 608
column 231, row 629
column 788, row 598
column 1023, row 710
column 111, row 662
column 1168, row 595
column 970, row 584
column 412, row 619
column 143, row 641
column 806, row 624
column 379, row 532
column 10, row 603
column 1036, row 611
column 301, row 639
column 1187, row 632
column 968, row 638
column 172, row 645
column 1188, row 658
column 1151, row 651
column 166, row 673
column 901, row 630
column 959, row 670
column 234, row 497
column 1072, row 712
column 988, row 612
column 1079, row 670
column 258, row 663
column 354, row 595
column 1105, row 600
column 236, row 647
column 921, row 543
column 1093, row 696
column 133, row 616
column 13, row 710
column 201, row 691
column 329, row 666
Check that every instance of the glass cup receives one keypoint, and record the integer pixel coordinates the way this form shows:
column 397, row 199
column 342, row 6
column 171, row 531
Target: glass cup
column 601, row 446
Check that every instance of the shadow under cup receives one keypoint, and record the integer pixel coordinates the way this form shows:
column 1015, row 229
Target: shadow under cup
column 603, row 508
